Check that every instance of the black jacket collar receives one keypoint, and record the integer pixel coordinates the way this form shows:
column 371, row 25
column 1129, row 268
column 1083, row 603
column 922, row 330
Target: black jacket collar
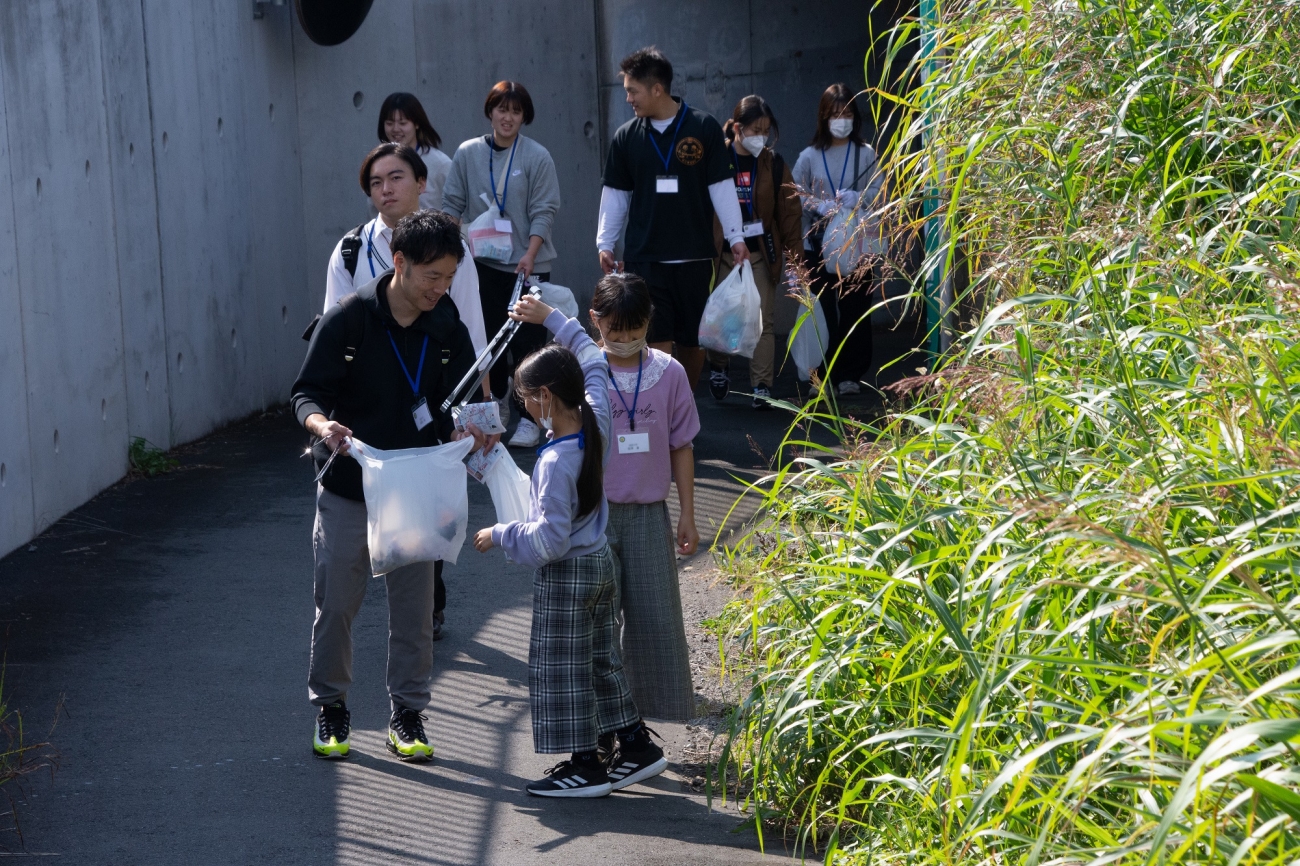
column 439, row 323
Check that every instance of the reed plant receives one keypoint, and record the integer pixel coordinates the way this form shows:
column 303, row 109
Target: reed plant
column 1045, row 610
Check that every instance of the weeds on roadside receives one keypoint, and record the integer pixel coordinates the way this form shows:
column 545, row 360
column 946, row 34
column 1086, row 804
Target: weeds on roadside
column 149, row 460
column 1049, row 615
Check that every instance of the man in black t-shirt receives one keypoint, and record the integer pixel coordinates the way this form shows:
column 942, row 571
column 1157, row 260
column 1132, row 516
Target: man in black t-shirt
column 668, row 171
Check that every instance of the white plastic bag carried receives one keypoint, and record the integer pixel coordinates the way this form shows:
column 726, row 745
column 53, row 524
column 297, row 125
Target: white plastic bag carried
column 560, row 298
column 733, row 318
column 809, row 341
column 850, row 236
column 417, row 505
column 490, row 237
column 509, row 485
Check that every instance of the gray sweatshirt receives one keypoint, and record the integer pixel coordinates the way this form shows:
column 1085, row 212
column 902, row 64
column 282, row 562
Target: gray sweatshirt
column 532, row 197
column 810, row 175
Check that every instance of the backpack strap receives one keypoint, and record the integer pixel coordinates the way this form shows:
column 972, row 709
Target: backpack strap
column 351, row 249
column 354, row 325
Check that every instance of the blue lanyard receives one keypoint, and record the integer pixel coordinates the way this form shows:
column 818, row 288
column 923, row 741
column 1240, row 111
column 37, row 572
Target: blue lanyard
column 505, row 192
column 650, row 134
column 847, row 148
column 736, row 160
column 415, row 383
column 371, row 255
column 631, row 413
column 580, row 436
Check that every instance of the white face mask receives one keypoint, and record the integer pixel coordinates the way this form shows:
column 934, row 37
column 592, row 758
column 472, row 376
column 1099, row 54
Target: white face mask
column 754, row 143
column 841, row 127
column 625, row 350
column 545, row 420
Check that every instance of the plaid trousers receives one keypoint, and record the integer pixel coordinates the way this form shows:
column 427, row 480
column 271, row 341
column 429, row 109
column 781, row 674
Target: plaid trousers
column 576, row 686
column 653, row 646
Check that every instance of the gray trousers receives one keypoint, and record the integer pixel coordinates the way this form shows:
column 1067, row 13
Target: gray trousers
column 342, row 574
column 654, row 651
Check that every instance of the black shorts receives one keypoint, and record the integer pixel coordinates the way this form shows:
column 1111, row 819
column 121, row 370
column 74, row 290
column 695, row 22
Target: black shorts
column 679, row 292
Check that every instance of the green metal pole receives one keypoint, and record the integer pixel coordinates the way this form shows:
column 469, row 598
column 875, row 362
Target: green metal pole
column 935, row 278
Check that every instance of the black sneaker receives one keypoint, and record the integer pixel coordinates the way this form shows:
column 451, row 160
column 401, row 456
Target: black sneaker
column 333, row 724
column 406, row 737
column 439, row 620
column 719, row 383
column 761, row 395
column 636, row 759
column 570, row 779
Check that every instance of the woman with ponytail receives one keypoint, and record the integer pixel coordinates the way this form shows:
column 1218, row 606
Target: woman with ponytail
column 576, row 685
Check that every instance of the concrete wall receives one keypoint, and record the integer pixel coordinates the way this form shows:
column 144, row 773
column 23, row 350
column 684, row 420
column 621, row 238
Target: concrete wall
column 173, row 177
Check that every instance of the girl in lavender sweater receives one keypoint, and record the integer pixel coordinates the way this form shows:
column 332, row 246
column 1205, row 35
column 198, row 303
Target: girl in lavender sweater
column 576, row 685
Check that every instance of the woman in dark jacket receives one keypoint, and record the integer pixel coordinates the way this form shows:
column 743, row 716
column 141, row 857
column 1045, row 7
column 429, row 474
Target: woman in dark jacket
column 771, row 210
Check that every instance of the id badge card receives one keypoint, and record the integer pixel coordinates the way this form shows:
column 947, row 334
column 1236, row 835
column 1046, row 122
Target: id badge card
column 634, row 443
column 666, row 183
column 420, row 412
column 504, row 226
column 752, row 230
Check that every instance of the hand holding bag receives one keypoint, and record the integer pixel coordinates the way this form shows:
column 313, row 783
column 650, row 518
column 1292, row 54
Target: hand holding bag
column 733, row 319
column 417, row 505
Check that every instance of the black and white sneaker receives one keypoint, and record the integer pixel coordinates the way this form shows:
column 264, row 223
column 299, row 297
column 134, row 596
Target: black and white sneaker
column 406, row 737
column 719, row 383
column 761, row 395
column 636, row 759
column 332, row 728
column 570, row 779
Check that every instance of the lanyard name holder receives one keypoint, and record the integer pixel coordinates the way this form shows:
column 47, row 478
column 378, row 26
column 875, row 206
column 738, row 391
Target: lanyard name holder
column 505, row 192
column 371, row 255
column 420, row 411
column 752, row 227
column 633, row 442
column 848, row 148
column 666, row 183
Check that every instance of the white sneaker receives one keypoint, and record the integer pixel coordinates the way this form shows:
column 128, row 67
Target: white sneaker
column 846, row 388
column 526, row 435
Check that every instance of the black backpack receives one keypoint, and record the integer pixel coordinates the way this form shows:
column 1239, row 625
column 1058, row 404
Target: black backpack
column 350, row 249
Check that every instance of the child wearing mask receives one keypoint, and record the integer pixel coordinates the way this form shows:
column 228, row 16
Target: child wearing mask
column 576, row 685
column 654, row 423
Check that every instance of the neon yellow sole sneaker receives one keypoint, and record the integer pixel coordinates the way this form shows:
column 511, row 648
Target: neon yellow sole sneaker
column 406, row 737
column 332, row 728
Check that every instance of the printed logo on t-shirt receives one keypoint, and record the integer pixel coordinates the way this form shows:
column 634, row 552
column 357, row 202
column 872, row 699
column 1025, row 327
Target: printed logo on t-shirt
column 745, row 188
column 690, row 151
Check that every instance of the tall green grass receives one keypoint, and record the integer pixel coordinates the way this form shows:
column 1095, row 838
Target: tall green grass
column 1045, row 611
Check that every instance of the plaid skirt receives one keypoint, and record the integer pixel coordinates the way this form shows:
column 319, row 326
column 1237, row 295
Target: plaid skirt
column 653, row 645
column 576, row 686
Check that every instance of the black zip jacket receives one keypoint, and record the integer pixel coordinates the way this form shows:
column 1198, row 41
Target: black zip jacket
column 369, row 393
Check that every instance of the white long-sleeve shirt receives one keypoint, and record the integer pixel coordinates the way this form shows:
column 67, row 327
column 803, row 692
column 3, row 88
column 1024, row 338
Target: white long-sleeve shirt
column 375, row 257
column 614, row 204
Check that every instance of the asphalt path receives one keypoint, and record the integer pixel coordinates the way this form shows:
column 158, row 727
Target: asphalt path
column 165, row 626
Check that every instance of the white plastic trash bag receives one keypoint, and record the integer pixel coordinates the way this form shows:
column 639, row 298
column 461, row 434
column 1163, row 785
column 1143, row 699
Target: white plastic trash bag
column 733, row 318
column 509, row 485
column 850, row 236
column 490, row 237
column 417, row 506
column 560, row 298
column 809, row 341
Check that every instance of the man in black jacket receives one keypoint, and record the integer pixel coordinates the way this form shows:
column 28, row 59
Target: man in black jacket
column 379, row 365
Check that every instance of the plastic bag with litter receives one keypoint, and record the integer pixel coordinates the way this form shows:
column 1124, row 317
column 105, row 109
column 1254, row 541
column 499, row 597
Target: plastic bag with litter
column 488, row 237
column 417, row 505
column 560, row 298
column 509, row 485
column 733, row 318
column 851, row 235
column 809, row 341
